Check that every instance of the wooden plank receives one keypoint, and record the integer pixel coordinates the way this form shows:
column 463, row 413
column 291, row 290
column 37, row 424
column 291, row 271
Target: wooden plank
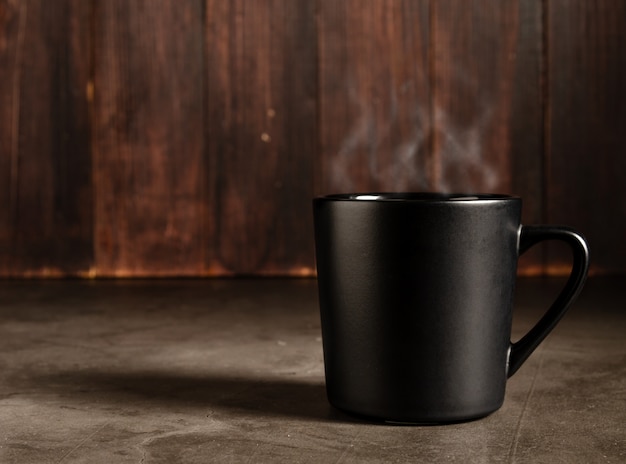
column 12, row 32
column 261, row 87
column 487, row 102
column 527, row 174
column 374, row 96
column 45, row 159
column 587, row 118
column 148, row 139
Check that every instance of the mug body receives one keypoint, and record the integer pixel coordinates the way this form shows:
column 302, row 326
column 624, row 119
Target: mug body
column 415, row 294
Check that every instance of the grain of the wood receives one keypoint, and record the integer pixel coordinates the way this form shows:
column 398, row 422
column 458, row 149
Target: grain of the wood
column 213, row 123
column 12, row 30
column 374, row 96
column 587, row 117
column 148, row 140
column 45, row 159
column 261, row 77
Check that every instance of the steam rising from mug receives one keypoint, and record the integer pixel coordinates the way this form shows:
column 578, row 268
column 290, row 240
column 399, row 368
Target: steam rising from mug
column 424, row 157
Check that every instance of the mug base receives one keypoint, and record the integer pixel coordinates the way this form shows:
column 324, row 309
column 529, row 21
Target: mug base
column 407, row 419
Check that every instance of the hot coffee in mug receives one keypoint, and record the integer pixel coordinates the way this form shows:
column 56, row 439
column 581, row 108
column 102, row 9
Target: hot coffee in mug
column 416, row 295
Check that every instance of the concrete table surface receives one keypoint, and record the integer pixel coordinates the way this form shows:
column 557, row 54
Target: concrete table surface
column 196, row 371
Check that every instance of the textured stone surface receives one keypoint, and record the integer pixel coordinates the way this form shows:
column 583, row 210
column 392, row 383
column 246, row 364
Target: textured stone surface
column 232, row 371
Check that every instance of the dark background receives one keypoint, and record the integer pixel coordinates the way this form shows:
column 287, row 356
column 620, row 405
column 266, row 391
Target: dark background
column 169, row 137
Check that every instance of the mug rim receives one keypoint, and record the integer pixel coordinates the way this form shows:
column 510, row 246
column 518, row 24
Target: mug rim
column 426, row 196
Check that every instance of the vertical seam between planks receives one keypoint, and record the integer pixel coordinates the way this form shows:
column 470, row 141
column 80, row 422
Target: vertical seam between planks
column 546, row 114
column 435, row 169
column 206, row 238
column 91, row 112
column 316, row 178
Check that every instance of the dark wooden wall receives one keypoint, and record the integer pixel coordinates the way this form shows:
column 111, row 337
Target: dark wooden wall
column 187, row 137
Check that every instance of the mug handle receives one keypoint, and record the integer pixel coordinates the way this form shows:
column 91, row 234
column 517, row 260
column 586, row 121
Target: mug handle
column 529, row 236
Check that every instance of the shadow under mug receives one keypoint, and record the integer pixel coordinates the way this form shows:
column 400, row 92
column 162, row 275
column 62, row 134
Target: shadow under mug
column 416, row 295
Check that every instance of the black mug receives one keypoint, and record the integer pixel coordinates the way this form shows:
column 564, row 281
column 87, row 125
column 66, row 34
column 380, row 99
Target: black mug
column 416, row 293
